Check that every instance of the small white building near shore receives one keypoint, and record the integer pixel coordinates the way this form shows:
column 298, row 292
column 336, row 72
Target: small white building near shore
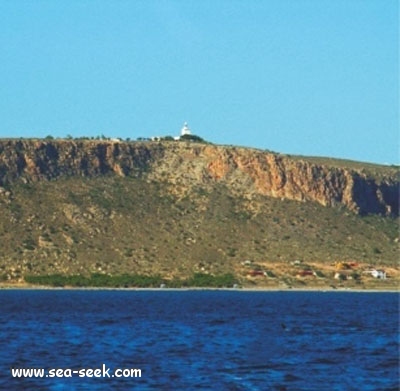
column 377, row 273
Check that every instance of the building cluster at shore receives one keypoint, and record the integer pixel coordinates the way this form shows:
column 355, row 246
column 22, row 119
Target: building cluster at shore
column 300, row 270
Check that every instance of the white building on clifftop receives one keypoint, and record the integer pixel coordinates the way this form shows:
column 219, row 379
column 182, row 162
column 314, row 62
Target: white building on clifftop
column 185, row 131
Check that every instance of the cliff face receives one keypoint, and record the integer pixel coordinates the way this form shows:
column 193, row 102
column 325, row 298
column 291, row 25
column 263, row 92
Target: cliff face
column 31, row 161
column 184, row 166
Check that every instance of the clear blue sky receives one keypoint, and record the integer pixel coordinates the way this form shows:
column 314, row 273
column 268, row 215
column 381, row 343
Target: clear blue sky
column 307, row 77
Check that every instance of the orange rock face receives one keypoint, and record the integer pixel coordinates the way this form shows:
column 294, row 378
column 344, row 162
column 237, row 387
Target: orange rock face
column 245, row 171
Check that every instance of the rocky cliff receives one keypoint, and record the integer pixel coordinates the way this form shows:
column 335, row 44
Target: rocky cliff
column 361, row 188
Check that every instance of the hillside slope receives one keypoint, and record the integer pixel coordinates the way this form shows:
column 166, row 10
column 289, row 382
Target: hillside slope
column 176, row 208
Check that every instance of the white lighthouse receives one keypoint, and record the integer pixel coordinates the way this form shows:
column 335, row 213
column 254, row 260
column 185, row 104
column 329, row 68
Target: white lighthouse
column 185, row 130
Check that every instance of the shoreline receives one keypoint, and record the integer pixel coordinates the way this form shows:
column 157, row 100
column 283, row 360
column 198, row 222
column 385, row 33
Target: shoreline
column 26, row 287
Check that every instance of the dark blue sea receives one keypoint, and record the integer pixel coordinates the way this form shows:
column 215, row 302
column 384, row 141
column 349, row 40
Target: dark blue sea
column 201, row 340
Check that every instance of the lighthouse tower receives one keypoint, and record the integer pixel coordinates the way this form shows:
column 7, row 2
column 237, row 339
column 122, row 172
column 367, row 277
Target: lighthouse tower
column 185, row 130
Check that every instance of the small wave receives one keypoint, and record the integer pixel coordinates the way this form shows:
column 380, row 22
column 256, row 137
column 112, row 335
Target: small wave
column 325, row 361
column 215, row 322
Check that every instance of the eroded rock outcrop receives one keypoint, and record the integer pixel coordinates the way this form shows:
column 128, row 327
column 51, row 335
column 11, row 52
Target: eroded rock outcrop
column 370, row 189
column 34, row 160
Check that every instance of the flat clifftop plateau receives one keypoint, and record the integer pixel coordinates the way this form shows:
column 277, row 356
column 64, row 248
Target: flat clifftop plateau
column 184, row 166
